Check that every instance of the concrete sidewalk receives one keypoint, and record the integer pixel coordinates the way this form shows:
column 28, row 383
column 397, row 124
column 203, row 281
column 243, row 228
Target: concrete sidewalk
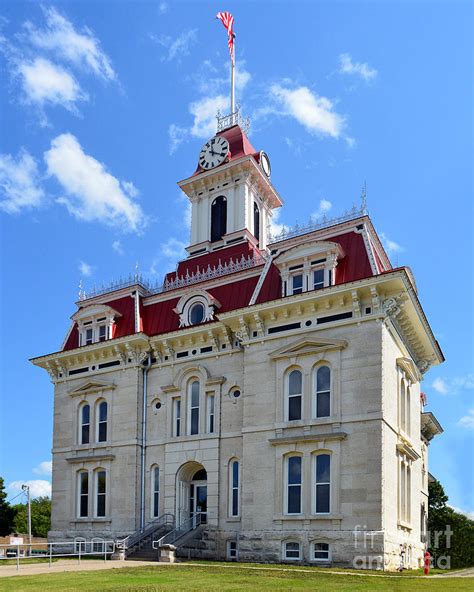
column 68, row 565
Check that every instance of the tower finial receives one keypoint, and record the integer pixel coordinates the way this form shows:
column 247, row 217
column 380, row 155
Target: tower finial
column 82, row 293
column 363, row 198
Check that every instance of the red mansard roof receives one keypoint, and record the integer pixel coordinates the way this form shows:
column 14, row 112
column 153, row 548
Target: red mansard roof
column 159, row 318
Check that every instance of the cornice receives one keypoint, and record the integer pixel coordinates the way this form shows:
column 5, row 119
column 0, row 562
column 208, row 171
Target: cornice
column 308, row 438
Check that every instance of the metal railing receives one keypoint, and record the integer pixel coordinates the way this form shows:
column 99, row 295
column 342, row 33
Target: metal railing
column 126, row 544
column 50, row 551
column 172, row 537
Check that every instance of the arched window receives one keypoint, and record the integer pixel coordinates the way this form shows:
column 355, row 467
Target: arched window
column 320, row 552
column 155, row 490
column 293, row 485
column 83, row 494
column 218, row 218
column 407, row 410
column 256, row 222
column 196, row 313
column 234, row 488
column 102, row 422
column 85, row 421
column 101, row 493
column 323, row 483
column 193, row 398
column 295, row 395
column 402, row 405
column 291, row 550
column 323, row 391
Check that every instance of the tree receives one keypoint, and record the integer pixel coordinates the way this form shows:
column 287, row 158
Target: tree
column 451, row 533
column 40, row 517
column 7, row 513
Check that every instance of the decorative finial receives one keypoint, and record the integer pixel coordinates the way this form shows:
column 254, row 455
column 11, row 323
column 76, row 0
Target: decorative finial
column 82, row 293
column 363, row 198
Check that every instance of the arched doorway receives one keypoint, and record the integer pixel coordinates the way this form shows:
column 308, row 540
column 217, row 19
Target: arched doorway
column 191, row 492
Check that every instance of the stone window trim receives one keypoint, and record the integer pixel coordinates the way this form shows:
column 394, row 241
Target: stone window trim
column 155, row 497
column 191, row 298
column 232, row 547
column 405, row 387
column 101, row 494
column 84, row 423
column 180, row 389
column 101, row 421
column 288, row 395
column 316, row 391
column 94, row 420
column 405, row 485
column 287, row 485
column 314, row 483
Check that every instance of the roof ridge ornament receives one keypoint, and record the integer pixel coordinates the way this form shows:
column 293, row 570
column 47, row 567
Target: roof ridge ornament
column 235, row 118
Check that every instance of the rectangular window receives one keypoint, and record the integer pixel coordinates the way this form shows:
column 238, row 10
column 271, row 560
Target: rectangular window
column 156, row 492
column 101, row 493
column 231, row 549
column 194, row 408
column 321, row 552
column 294, row 485
column 295, row 389
column 102, row 332
column 177, row 416
column 102, row 435
column 98, row 546
column 85, row 424
column 323, row 483
column 292, row 551
column 318, row 279
column 89, row 334
column 297, row 284
column 83, row 495
column 210, row 414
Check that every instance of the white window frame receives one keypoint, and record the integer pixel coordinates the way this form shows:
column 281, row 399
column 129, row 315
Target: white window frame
column 191, row 407
column 80, row 544
column 315, row 483
column 288, row 396
column 96, row 492
column 210, row 413
column 285, row 550
column 186, row 303
column 98, row 541
column 230, row 552
column 317, row 392
column 155, row 491
column 80, row 495
column 81, row 424
column 177, row 417
column 286, row 467
column 301, row 274
column 98, row 421
column 404, row 490
column 232, row 487
column 314, row 559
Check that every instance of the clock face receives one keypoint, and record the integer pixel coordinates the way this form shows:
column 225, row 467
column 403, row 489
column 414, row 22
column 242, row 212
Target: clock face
column 265, row 163
column 213, row 153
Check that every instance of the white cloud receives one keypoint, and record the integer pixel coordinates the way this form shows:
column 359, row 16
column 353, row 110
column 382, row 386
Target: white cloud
column 440, row 386
column 85, row 269
column 324, row 206
column 177, row 135
column 390, row 246
column 44, row 82
column 468, row 420
column 204, row 112
column 44, row 468
column 91, row 192
column 176, row 48
column 117, row 247
column 453, row 386
column 80, row 48
column 347, row 66
column 173, row 249
column 38, row 487
column 275, row 227
column 466, row 513
column 185, row 204
column 163, row 7
column 315, row 113
column 20, row 185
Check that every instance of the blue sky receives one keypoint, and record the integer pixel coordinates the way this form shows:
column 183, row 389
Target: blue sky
column 105, row 106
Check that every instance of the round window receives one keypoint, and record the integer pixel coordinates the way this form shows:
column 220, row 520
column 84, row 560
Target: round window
column 236, row 393
column 196, row 313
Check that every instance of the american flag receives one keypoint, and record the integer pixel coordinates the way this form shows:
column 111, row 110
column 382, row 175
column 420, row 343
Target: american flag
column 228, row 22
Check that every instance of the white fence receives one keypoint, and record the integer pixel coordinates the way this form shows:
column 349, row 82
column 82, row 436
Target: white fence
column 49, row 551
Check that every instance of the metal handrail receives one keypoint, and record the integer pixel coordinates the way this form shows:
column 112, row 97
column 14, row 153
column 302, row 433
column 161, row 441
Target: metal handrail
column 188, row 525
column 134, row 539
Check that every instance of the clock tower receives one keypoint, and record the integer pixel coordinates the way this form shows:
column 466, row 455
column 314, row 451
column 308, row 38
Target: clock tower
column 231, row 192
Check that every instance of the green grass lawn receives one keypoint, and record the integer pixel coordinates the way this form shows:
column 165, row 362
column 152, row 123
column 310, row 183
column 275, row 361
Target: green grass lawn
column 222, row 579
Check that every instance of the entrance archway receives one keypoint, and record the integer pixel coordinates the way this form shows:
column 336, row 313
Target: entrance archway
column 191, row 492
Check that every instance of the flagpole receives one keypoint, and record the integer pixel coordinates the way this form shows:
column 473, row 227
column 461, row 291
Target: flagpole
column 232, row 80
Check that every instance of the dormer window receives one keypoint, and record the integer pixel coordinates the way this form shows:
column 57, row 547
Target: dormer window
column 308, row 267
column 95, row 323
column 196, row 308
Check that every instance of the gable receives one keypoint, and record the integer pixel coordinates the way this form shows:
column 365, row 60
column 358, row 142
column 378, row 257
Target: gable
column 92, row 386
column 306, row 347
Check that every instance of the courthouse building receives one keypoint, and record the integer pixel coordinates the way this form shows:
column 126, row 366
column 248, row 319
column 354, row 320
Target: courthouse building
column 270, row 386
